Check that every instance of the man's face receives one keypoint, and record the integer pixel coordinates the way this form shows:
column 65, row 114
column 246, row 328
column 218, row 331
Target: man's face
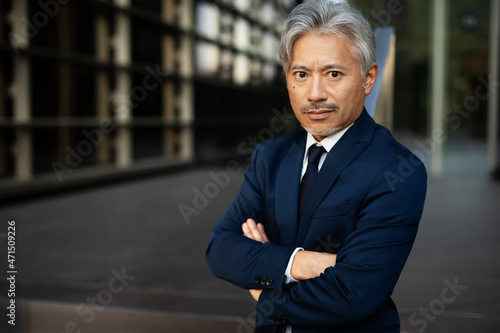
column 325, row 84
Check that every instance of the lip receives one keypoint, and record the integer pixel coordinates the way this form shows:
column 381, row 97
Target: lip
column 318, row 114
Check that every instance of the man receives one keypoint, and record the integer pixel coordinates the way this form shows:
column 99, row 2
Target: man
column 321, row 251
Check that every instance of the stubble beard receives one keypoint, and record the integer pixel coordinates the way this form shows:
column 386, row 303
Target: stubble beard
column 316, row 106
column 322, row 132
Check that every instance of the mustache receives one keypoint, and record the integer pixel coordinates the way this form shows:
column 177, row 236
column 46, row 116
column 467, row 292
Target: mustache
column 319, row 106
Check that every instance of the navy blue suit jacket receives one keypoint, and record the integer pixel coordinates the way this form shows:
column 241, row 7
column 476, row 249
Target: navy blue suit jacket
column 365, row 206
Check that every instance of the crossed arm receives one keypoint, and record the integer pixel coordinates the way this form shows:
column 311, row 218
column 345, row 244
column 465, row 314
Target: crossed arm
column 306, row 264
column 366, row 267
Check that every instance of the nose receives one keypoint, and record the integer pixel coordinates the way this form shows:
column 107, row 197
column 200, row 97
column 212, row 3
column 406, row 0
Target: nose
column 317, row 92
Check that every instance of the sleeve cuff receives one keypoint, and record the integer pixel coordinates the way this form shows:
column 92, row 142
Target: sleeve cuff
column 288, row 275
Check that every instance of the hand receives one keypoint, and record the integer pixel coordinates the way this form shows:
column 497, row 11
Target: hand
column 255, row 293
column 309, row 264
column 254, row 231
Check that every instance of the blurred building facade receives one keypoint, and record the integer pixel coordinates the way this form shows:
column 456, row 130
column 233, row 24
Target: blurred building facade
column 95, row 88
column 446, row 89
column 110, row 86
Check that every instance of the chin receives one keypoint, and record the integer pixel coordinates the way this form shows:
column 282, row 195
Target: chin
column 323, row 132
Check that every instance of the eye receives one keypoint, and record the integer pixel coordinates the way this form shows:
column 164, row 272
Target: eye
column 334, row 74
column 300, row 75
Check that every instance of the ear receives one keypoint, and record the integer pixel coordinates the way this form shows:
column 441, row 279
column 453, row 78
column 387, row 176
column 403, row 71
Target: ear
column 370, row 78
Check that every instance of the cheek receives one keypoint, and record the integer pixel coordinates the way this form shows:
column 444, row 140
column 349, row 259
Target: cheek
column 293, row 93
column 295, row 102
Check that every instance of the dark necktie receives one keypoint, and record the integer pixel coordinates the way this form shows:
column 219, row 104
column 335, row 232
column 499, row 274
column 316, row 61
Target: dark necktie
column 314, row 156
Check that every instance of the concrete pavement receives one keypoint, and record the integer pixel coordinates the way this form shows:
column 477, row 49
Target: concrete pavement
column 124, row 258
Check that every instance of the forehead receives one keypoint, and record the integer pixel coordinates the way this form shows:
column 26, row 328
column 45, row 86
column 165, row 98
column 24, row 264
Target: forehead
column 316, row 47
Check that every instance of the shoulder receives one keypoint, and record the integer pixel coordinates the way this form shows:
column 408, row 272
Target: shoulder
column 391, row 156
column 385, row 143
column 382, row 147
column 383, row 152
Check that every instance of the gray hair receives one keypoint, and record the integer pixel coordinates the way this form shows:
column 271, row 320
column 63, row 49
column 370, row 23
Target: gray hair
column 329, row 18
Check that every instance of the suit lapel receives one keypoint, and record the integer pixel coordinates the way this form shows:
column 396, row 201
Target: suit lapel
column 287, row 193
column 349, row 148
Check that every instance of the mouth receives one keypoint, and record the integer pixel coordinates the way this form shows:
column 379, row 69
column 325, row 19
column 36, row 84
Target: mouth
column 318, row 114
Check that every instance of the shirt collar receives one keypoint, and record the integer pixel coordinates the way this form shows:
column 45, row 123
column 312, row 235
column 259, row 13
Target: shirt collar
column 327, row 142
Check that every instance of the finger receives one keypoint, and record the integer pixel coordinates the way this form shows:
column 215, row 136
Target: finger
column 246, row 230
column 255, row 293
column 256, row 235
column 262, row 231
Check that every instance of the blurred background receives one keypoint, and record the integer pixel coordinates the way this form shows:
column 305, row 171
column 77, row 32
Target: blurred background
column 126, row 126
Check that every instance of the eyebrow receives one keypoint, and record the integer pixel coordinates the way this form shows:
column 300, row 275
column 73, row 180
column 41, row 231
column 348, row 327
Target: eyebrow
column 326, row 67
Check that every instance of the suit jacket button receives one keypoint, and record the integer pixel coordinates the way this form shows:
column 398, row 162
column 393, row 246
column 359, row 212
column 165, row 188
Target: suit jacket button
column 273, row 319
column 258, row 279
column 269, row 282
column 263, row 281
